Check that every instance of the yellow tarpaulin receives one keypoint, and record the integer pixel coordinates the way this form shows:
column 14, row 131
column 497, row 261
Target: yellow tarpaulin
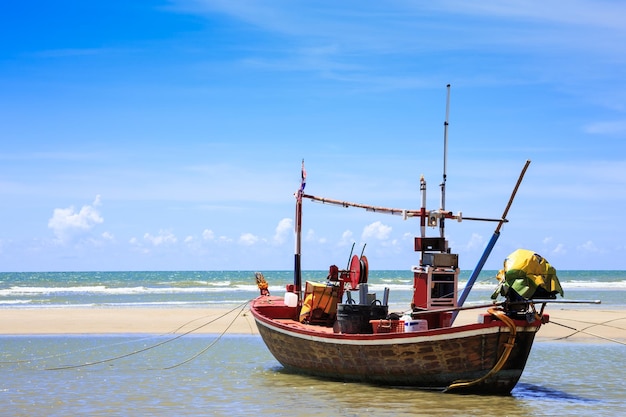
column 526, row 272
column 319, row 299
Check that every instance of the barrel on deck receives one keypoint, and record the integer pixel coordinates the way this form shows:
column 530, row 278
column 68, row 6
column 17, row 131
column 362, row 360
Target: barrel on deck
column 355, row 318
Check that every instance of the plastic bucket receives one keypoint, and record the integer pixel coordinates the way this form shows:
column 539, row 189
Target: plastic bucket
column 291, row 299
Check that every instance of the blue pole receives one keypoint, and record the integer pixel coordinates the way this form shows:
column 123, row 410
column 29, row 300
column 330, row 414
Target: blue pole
column 490, row 245
column 476, row 272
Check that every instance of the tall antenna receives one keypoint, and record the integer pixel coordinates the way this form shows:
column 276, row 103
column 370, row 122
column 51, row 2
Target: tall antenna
column 445, row 161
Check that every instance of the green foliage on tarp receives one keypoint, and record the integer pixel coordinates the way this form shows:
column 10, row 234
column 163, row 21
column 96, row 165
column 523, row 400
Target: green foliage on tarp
column 528, row 274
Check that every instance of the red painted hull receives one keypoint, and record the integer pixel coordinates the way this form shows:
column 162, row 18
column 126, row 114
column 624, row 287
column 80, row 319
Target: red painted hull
column 430, row 359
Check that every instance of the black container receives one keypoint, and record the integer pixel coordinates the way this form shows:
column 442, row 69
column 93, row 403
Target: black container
column 378, row 312
column 355, row 318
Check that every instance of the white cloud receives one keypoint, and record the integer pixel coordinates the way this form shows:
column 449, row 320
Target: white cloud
column 476, row 242
column 225, row 239
column 376, row 230
column 208, row 234
column 282, row 230
column 68, row 224
column 311, row 236
column 347, row 238
column 163, row 238
column 137, row 246
column 559, row 249
column 589, row 247
column 248, row 239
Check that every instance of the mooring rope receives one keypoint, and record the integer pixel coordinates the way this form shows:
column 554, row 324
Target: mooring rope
column 241, row 306
column 211, row 344
column 73, row 352
column 588, row 333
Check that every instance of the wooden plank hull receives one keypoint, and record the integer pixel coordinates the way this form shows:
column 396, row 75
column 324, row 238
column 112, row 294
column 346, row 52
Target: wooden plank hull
column 432, row 359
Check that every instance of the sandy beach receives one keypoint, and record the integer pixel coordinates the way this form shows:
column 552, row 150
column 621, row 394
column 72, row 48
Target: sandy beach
column 595, row 325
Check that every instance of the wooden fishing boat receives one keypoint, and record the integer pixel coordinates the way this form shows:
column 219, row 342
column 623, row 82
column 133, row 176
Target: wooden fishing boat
column 321, row 330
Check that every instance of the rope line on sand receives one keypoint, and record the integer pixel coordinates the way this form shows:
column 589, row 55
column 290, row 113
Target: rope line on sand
column 58, row 368
column 604, row 323
column 211, row 344
column 588, row 333
column 101, row 346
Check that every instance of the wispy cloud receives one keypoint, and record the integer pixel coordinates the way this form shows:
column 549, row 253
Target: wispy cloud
column 589, row 247
column 612, row 128
column 68, row 52
column 601, row 14
column 358, row 43
column 164, row 237
column 50, row 156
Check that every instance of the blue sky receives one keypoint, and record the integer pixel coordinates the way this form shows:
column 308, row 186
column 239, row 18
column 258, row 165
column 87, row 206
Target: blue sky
column 168, row 135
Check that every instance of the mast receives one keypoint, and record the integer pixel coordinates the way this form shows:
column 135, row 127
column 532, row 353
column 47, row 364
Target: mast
column 445, row 163
column 423, row 209
column 297, row 268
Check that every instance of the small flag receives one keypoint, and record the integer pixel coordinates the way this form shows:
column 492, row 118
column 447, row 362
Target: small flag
column 303, row 183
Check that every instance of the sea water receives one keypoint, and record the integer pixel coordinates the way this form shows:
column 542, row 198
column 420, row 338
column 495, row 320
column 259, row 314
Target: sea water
column 235, row 375
column 231, row 288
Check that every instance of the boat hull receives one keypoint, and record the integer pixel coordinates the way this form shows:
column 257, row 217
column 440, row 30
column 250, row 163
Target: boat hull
column 432, row 359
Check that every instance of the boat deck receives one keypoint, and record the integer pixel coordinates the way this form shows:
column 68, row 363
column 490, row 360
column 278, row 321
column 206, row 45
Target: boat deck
column 276, row 311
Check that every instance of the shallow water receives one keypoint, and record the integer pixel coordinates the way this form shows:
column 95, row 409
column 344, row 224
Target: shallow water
column 237, row 376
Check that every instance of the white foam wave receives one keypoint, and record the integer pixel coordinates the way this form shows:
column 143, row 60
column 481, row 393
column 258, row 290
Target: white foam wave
column 15, row 302
column 225, row 283
column 594, row 285
column 103, row 290
column 206, row 304
column 33, row 292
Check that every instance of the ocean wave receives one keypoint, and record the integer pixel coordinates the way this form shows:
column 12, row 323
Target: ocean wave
column 594, row 284
column 392, row 287
column 103, row 290
column 30, row 304
column 225, row 283
column 25, row 294
column 590, row 285
column 15, row 302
